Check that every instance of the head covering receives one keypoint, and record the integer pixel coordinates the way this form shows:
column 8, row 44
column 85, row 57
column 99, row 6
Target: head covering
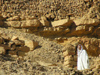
column 81, row 47
column 79, row 51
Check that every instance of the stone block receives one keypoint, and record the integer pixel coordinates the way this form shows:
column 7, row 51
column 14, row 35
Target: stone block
column 31, row 44
column 30, row 23
column 63, row 22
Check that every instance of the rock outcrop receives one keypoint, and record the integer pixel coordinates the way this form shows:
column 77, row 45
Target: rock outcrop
column 87, row 25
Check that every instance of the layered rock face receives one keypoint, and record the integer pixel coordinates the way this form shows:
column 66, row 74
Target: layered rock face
column 45, row 25
column 83, row 26
column 87, row 25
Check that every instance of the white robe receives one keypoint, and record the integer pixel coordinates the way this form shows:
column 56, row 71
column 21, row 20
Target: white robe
column 82, row 61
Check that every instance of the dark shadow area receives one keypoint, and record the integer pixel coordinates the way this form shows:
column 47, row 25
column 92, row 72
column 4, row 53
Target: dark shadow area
column 4, row 25
column 76, row 50
column 6, row 58
column 38, row 46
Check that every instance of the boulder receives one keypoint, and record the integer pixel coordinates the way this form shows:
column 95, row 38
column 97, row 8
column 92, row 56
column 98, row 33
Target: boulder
column 31, row 44
column 63, row 22
column 2, row 50
column 30, row 23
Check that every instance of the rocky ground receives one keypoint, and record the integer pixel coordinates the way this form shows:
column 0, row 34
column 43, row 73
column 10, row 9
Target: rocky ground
column 45, row 60
column 40, row 37
column 53, row 10
column 26, row 67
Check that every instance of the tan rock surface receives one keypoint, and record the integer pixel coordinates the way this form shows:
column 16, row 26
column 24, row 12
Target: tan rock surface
column 71, row 22
column 14, row 38
column 2, row 50
column 63, row 22
column 31, row 44
column 31, row 23
column 91, row 18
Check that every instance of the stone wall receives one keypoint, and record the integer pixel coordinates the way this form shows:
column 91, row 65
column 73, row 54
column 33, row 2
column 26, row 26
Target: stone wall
column 16, row 47
column 70, row 56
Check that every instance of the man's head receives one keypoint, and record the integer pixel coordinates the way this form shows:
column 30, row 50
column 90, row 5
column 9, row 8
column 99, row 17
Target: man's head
column 79, row 47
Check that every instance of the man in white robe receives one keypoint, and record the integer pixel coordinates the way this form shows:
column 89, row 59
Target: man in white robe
column 82, row 58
